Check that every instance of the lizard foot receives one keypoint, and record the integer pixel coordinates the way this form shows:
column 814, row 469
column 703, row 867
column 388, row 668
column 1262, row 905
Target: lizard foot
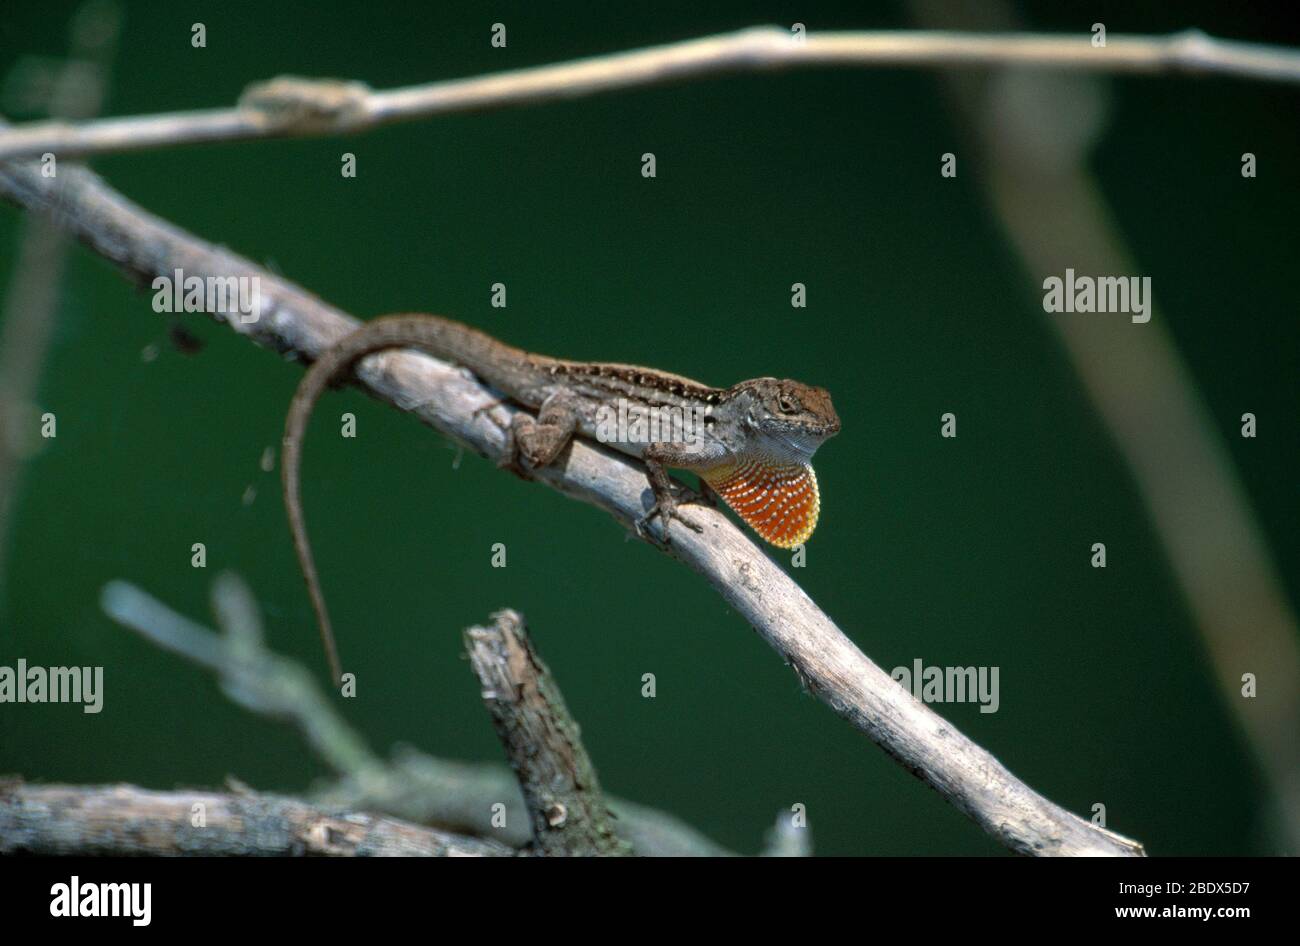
column 665, row 509
column 489, row 406
column 510, row 460
column 510, row 457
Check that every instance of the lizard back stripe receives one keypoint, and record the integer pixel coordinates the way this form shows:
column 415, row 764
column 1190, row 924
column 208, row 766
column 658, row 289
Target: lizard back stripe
column 631, row 381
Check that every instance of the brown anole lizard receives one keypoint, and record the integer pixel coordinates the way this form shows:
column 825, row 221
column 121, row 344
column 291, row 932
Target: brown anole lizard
column 751, row 443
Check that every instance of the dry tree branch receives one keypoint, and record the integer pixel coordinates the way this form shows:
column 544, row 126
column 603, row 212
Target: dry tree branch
column 453, row 402
column 415, row 786
column 126, row 820
column 311, row 107
column 542, row 741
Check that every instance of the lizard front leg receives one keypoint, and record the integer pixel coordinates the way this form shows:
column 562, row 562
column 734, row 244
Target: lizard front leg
column 657, row 457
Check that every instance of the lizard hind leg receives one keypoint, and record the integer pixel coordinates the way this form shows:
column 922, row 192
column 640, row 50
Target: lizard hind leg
column 540, row 441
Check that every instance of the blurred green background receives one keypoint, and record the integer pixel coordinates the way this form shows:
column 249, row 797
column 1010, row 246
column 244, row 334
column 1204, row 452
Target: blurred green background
column 973, row 551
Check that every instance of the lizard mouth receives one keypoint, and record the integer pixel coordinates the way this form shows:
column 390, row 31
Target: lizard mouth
column 803, row 441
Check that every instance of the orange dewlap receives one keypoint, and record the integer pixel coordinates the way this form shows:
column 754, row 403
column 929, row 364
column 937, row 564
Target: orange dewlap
column 777, row 500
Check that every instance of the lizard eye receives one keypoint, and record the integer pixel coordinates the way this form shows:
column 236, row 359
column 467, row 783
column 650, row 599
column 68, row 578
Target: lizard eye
column 786, row 405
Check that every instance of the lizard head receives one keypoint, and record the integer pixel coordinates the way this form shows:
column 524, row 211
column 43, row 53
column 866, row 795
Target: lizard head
column 769, row 479
column 793, row 419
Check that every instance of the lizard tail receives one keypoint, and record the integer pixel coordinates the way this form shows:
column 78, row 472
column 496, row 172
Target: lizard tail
column 437, row 336
column 315, row 381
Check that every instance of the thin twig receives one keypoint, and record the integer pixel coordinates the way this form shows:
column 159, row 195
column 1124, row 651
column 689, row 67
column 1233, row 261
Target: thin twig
column 126, row 820
column 452, row 401
column 542, row 742
column 251, row 676
column 307, row 107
